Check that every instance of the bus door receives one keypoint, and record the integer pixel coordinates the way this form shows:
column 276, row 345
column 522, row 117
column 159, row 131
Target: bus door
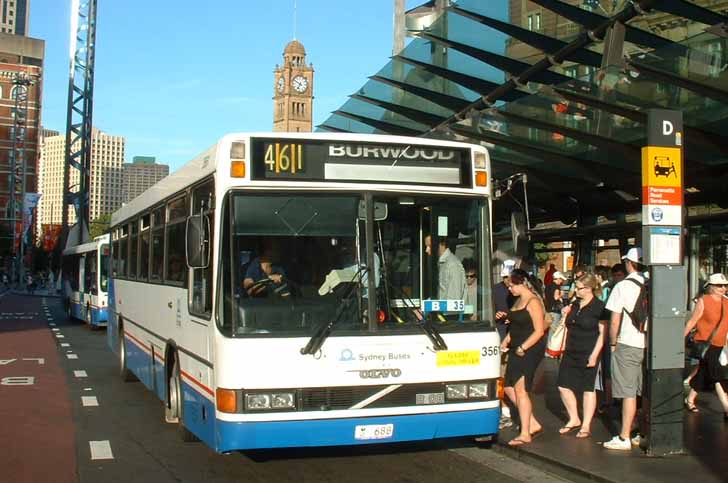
column 88, row 278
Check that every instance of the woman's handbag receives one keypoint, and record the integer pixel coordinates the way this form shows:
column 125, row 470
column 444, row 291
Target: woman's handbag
column 556, row 343
column 698, row 348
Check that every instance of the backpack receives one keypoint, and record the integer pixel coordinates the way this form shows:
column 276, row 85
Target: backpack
column 640, row 314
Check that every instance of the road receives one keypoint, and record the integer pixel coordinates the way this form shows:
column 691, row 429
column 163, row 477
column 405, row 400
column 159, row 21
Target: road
column 74, row 400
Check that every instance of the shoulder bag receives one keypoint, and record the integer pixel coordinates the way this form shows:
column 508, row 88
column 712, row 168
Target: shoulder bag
column 700, row 347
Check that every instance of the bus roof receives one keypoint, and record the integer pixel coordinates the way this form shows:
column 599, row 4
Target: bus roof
column 206, row 164
column 88, row 246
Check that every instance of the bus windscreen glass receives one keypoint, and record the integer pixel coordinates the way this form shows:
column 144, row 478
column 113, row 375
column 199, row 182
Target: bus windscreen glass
column 298, row 260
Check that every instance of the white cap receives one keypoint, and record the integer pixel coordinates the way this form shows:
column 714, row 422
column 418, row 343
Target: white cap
column 633, row 255
column 717, row 279
column 508, row 266
column 559, row 275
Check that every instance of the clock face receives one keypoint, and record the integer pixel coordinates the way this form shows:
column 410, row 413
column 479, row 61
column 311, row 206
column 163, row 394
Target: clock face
column 281, row 84
column 300, row 84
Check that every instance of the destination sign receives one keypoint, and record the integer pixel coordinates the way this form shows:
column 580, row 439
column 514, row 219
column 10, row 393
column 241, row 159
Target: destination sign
column 348, row 161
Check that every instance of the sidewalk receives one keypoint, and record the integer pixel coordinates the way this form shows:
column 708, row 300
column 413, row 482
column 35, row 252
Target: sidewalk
column 706, row 441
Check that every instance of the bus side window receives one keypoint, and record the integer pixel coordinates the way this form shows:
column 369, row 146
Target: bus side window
column 157, row 248
column 175, row 266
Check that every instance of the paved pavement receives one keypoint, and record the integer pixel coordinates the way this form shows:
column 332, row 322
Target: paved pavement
column 706, row 438
column 78, row 409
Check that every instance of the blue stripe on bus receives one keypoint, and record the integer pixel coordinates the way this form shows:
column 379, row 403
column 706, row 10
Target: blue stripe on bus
column 99, row 316
column 335, row 432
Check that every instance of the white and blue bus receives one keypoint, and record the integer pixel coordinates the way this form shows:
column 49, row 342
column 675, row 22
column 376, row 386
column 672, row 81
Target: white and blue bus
column 85, row 281
column 277, row 291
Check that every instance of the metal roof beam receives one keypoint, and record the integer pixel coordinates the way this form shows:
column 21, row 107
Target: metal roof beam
column 333, row 129
column 694, row 134
column 539, row 41
column 578, row 169
column 476, row 84
column 416, row 115
column 387, row 127
column 513, row 67
column 443, row 100
column 701, row 88
column 583, row 40
column 632, row 153
column 682, row 8
column 592, row 21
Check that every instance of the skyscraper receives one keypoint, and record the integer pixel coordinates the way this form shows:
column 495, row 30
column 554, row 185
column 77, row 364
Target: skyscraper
column 139, row 175
column 107, row 158
column 15, row 16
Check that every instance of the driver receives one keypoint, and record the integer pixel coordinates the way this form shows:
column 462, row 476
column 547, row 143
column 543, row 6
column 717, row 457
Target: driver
column 264, row 278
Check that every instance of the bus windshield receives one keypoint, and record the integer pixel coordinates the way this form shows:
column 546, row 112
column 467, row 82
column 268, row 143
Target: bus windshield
column 292, row 262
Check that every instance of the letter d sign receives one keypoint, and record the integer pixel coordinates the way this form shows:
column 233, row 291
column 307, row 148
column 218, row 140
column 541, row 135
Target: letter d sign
column 667, row 128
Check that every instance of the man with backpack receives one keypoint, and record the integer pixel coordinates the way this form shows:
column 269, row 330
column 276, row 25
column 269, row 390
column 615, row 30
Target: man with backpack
column 628, row 324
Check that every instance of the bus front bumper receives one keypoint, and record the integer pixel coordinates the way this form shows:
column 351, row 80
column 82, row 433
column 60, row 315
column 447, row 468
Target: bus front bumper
column 337, row 432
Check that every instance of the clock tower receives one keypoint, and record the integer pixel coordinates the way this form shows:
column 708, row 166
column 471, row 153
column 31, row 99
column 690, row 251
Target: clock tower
column 293, row 91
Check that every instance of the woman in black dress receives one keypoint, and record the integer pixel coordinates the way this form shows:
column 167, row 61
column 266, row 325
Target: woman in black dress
column 526, row 344
column 580, row 362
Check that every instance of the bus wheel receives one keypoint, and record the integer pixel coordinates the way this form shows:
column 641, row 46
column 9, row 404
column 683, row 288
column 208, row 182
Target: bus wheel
column 175, row 410
column 124, row 372
column 89, row 318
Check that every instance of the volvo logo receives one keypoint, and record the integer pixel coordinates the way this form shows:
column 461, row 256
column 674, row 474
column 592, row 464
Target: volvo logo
column 378, row 373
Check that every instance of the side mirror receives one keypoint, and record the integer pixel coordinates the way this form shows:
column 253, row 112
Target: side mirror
column 197, row 234
column 380, row 211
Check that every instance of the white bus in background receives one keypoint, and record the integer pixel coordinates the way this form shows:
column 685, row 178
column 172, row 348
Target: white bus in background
column 85, row 281
column 275, row 292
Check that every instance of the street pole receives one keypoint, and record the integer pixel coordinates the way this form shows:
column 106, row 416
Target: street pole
column 663, row 217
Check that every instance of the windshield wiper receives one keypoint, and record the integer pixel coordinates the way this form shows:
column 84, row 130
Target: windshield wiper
column 438, row 343
column 324, row 330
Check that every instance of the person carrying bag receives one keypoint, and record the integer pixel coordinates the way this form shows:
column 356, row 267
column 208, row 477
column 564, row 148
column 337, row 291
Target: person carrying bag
column 710, row 319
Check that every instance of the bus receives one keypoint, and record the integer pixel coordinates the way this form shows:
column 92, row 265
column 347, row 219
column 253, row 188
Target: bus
column 292, row 290
column 85, row 281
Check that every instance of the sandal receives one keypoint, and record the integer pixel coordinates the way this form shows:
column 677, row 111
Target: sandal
column 691, row 407
column 517, row 442
column 567, row 429
column 537, row 432
column 583, row 434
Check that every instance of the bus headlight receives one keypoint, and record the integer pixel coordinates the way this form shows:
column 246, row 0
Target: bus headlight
column 479, row 390
column 456, row 391
column 257, row 402
column 283, row 400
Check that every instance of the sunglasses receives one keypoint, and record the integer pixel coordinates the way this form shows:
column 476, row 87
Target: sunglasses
column 720, row 285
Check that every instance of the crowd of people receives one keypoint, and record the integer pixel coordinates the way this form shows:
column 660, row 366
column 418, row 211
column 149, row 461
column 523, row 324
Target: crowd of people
column 591, row 322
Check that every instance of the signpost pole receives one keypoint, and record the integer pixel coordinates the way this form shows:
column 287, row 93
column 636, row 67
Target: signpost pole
column 662, row 241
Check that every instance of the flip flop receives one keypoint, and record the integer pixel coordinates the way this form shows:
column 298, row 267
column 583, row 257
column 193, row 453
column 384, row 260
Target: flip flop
column 583, row 434
column 517, row 442
column 537, row 432
column 691, row 407
column 567, row 429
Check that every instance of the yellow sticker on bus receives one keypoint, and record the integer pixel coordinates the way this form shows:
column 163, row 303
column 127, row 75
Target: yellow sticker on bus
column 458, row 358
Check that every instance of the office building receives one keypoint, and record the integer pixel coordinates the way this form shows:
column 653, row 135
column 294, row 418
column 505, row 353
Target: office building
column 15, row 17
column 107, row 158
column 139, row 175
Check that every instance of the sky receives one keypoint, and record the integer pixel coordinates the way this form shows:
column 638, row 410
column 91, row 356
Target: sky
column 172, row 77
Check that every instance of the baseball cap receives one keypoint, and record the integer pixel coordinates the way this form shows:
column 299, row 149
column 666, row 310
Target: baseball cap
column 559, row 275
column 633, row 255
column 508, row 266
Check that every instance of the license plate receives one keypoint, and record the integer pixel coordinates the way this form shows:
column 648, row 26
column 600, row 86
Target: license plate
column 374, row 431
column 430, row 398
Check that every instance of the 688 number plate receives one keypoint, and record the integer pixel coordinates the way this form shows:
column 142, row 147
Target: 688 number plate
column 373, row 431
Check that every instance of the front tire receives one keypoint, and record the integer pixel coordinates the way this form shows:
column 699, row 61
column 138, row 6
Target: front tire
column 89, row 317
column 175, row 408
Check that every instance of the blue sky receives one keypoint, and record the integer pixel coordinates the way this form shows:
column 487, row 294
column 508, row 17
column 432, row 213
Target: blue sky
column 174, row 76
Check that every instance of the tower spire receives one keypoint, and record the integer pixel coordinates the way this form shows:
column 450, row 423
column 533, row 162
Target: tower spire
column 295, row 18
